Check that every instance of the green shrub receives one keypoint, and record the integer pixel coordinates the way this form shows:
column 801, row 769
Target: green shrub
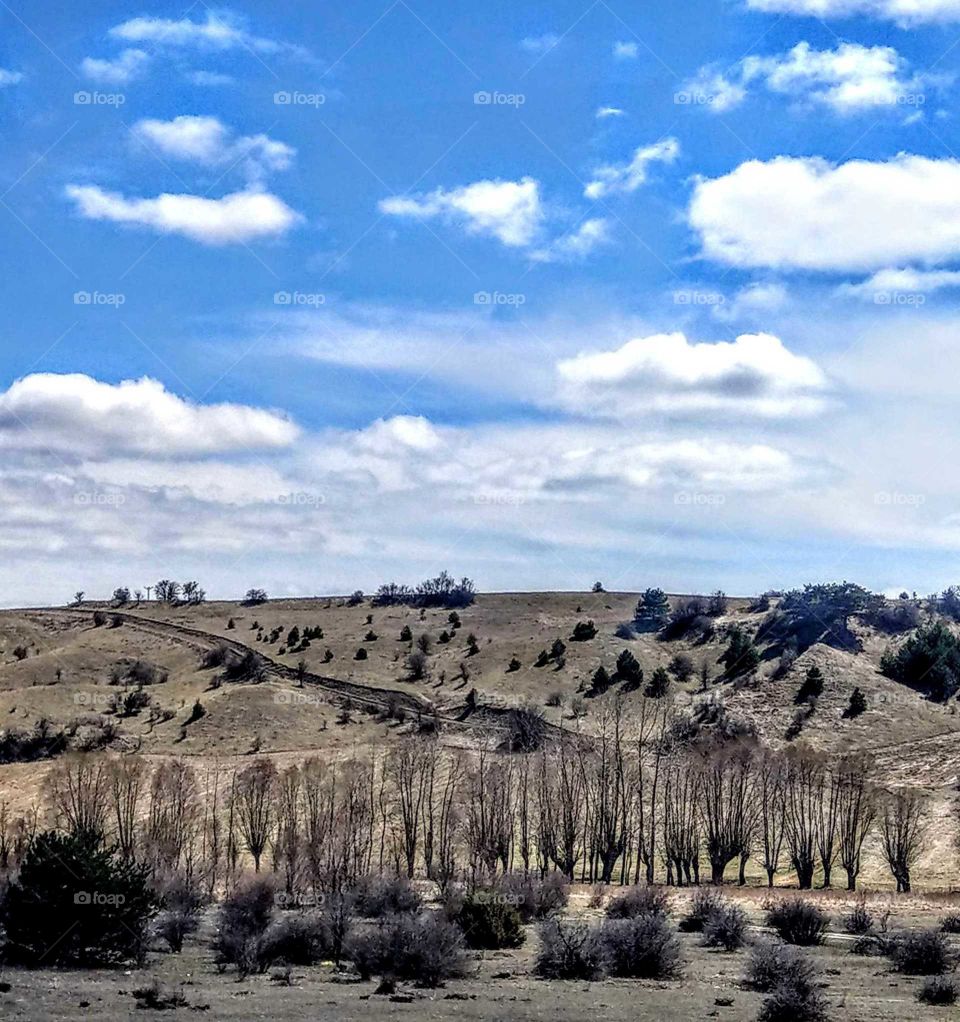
column 489, row 922
column 797, row 921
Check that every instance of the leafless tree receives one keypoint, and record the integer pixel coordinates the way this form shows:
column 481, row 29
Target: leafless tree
column 126, row 777
column 256, row 791
column 856, row 814
column 802, row 791
column 78, row 792
column 771, row 796
column 904, row 828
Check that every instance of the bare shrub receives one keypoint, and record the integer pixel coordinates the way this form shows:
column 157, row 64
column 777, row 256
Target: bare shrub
column 643, row 947
column 536, row 898
column 797, row 921
column 489, row 922
column 569, row 950
column 425, row 949
column 244, row 917
column 950, row 923
column 294, row 939
column 378, row 896
column 639, row 901
column 858, row 920
column 920, row 953
column 769, row 963
column 726, row 928
column 794, row 1000
column 705, row 902
column 939, row 991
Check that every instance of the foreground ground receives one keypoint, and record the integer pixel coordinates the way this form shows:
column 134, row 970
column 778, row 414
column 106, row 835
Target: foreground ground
column 500, row 985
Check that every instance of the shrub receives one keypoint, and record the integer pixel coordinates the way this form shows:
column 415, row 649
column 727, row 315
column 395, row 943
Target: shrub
column 526, row 728
column 920, row 953
column 643, row 947
column 938, row 990
column 859, row 920
column 378, row 896
column 928, row 661
column 555, row 698
column 950, row 923
column 569, row 950
column 426, row 949
column 536, row 898
column 76, row 903
column 725, row 927
column 681, row 667
column 639, row 901
column 794, row 1000
column 629, row 670
column 243, row 920
column 489, row 922
column 769, row 964
column 812, row 687
column 584, row 631
column 741, row 655
column 295, row 939
column 179, row 917
column 797, row 921
column 417, row 665
column 857, row 705
column 405, row 634
column 514, row 665
column 361, row 654
column 704, row 903
column 659, row 684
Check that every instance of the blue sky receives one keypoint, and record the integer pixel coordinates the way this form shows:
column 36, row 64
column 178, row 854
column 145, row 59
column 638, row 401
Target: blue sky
column 310, row 299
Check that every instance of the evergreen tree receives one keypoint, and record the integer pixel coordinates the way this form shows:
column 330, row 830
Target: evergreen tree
column 741, row 655
column 652, row 608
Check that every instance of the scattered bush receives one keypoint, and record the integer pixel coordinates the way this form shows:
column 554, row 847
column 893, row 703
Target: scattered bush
column 769, row 963
column 425, row 949
column 298, row 938
column 857, row 705
column 705, row 902
column 526, row 728
column 859, row 920
column 920, row 953
column 584, row 631
column 533, row 897
column 681, row 667
column 489, row 922
column 376, row 897
column 514, row 665
column 361, row 654
column 928, row 662
column 950, row 923
column 639, row 901
column 643, row 947
column 725, row 927
column 797, row 921
column 812, row 687
column 939, row 990
column 794, row 1000
column 243, row 920
column 405, row 634
column 569, row 950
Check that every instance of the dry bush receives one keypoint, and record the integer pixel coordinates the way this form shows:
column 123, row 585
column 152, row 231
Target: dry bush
column 797, row 921
column 920, row 953
column 769, row 964
column 569, row 950
column 858, row 920
column 379, row 896
column 536, row 898
column 705, row 902
column 489, row 921
column 939, row 990
column 794, row 1000
column 639, row 901
column 726, row 928
column 644, row 947
column 426, row 949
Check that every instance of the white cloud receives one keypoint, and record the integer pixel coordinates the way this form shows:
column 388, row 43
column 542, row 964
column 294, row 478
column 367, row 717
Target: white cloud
column 78, row 414
column 625, row 51
column 218, row 31
column 884, row 283
column 904, row 12
column 9, row 77
column 757, row 298
column 129, row 65
column 629, row 176
column 805, row 213
column 540, row 44
column 209, row 78
column 510, row 211
column 208, row 141
column 609, row 111
column 576, row 245
column 753, row 375
column 236, row 218
column 849, row 79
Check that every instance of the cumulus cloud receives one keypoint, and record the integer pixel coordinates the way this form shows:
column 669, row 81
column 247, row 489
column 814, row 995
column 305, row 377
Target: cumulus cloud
column 753, row 375
column 848, row 79
column 208, row 141
column 629, row 176
column 625, row 51
column 510, row 211
column 806, row 213
column 126, row 67
column 903, row 12
column 884, row 283
column 540, row 44
column 218, row 31
column 236, row 218
column 9, row 77
column 604, row 112
column 576, row 245
column 77, row 414
column 209, row 78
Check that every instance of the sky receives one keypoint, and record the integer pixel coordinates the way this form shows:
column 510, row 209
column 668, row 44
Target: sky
column 315, row 297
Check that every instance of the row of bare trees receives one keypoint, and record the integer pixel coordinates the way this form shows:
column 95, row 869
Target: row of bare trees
column 624, row 805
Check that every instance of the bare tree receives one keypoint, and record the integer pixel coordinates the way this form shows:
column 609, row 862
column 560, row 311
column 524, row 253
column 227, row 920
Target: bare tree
column 726, row 802
column 771, row 796
column 904, row 829
column 802, row 791
column 857, row 813
column 126, row 777
column 256, row 790
column 78, row 792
